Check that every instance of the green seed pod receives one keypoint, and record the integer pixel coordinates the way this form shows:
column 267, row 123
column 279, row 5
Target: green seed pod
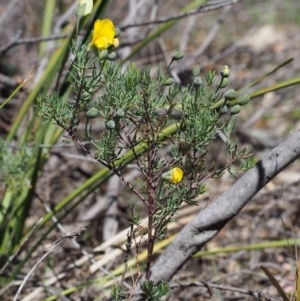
column 110, row 125
column 92, row 113
column 230, row 95
column 223, row 83
column 224, row 110
column 197, row 81
column 196, row 70
column 235, row 109
column 178, row 56
column 244, row 100
column 168, row 82
column 111, row 56
column 120, row 113
column 225, row 72
column 117, row 32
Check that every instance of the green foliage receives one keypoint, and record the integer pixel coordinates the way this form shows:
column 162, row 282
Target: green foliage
column 15, row 167
column 152, row 292
column 118, row 292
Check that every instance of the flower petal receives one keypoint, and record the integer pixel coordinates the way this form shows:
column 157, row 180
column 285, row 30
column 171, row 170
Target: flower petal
column 116, row 43
column 101, row 43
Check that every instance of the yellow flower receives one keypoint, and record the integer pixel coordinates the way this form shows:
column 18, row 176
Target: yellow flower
column 173, row 176
column 104, row 35
column 85, row 7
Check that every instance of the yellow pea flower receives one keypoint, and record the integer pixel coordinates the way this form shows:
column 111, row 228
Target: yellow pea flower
column 104, row 35
column 173, row 176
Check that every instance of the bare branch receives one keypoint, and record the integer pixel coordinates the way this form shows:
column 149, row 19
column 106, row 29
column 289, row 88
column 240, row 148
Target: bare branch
column 53, row 246
column 212, row 5
column 17, row 41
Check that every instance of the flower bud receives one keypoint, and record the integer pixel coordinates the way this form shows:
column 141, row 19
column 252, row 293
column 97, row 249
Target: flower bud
column 196, row 70
column 117, row 32
column 244, row 100
column 177, row 56
column 84, row 8
column 173, row 176
column 235, row 110
column 120, row 113
column 224, row 110
column 197, row 81
column 225, row 72
column 110, row 125
column 92, row 113
column 111, row 56
column 230, row 95
column 168, row 82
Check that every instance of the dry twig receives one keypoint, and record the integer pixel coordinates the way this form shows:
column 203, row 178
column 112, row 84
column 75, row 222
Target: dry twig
column 53, row 246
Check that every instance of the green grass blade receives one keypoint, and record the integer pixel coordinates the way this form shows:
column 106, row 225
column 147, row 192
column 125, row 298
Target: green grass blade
column 257, row 246
column 47, row 24
column 267, row 74
column 16, row 90
column 42, row 85
column 279, row 86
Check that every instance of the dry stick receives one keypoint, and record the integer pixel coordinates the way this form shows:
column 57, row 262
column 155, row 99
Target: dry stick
column 189, row 26
column 53, row 246
column 11, row 258
column 111, row 222
column 276, row 284
column 17, row 41
column 7, row 11
column 203, row 8
column 136, row 11
column 256, row 295
column 213, row 218
column 208, row 40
